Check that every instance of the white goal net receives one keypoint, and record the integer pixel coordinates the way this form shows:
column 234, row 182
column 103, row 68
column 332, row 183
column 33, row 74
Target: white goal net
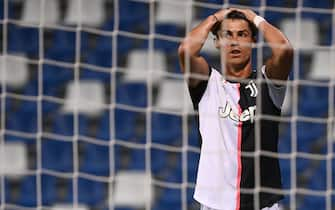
column 95, row 112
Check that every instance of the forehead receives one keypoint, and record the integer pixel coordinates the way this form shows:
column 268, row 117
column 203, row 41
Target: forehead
column 234, row 25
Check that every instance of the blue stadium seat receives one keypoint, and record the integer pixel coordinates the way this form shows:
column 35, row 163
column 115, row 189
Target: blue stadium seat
column 30, row 38
column 175, row 175
column 204, row 12
column 169, row 199
column 285, row 203
column 24, row 120
column 15, row 138
column 61, row 53
column 133, row 94
column 311, row 131
column 105, row 43
column 11, row 9
column 134, row 16
column 9, row 198
column 57, row 155
column 118, row 157
column 192, row 168
column 326, row 4
column 318, row 179
column 12, row 122
column 307, row 136
column 1, row 9
column 28, row 191
column 124, row 122
column 213, row 1
column 245, row 2
column 166, row 166
column 101, row 58
column 15, row 43
column 169, row 30
column 192, row 165
column 108, row 25
column 91, row 193
column 31, row 89
column 63, row 47
column 120, row 208
column 101, row 53
column 159, row 161
column 326, row 18
column 137, row 160
column 23, row 39
column 63, row 124
column 54, row 77
column 96, row 160
column 92, row 74
column 284, row 143
column 166, row 129
column 302, row 165
column 275, row 17
column 285, row 170
column 103, row 130
column 194, row 138
column 308, row 133
column 312, row 203
column 285, row 3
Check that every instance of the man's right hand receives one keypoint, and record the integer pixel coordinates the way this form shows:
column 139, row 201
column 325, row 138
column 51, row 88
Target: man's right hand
column 221, row 14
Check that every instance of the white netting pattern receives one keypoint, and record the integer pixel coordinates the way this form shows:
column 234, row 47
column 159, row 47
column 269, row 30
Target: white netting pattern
column 95, row 113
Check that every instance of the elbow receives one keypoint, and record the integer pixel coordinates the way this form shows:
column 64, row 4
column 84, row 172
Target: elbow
column 184, row 48
column 286, row 52
column 181, row 50
column 289, row 51
column 288, row 48
column 184, row 54
column 181, row 55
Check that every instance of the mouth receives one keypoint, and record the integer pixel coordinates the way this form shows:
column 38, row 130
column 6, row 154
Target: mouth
column 235, row 53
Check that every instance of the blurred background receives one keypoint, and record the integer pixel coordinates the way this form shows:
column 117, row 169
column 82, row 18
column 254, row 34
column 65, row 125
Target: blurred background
column 95, row 113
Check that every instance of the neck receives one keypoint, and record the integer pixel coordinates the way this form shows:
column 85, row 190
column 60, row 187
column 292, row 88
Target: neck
column 237, row 72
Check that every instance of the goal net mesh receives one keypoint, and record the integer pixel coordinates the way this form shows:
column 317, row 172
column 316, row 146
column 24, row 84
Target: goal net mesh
column 96, row 114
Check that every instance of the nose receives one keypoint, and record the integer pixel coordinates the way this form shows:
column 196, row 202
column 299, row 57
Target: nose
column 234, row 42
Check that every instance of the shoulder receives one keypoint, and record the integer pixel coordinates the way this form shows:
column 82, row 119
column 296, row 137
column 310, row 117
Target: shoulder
column 199, row 90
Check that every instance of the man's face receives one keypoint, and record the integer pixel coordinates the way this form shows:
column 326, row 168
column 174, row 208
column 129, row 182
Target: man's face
column 235, row 41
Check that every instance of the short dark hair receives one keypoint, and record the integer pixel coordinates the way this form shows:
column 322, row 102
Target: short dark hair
column 236, row 15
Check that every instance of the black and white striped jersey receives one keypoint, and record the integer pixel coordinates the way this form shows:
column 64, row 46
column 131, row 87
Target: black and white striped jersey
column 226, row 171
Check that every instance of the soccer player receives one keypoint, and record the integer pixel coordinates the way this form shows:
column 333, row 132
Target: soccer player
column 226, row 102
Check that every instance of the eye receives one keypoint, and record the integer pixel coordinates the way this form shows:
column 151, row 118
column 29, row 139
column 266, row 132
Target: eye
column 242, row 34
column 226, row 34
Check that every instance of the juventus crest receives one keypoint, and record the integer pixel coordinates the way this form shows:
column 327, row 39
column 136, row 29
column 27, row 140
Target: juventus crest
column 253, row 89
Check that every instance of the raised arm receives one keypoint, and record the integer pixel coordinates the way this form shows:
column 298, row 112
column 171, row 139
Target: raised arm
column 191, row 45
column 278, row 66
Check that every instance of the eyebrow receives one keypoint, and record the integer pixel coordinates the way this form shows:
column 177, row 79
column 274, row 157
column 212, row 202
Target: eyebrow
column 244, row 30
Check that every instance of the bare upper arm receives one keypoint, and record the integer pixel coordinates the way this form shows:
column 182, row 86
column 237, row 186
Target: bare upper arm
column 278, row 66
column 196, row 67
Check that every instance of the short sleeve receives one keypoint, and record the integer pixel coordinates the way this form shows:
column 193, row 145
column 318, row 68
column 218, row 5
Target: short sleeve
column 197, row 92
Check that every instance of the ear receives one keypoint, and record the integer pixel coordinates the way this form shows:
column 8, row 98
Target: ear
column 254, row 42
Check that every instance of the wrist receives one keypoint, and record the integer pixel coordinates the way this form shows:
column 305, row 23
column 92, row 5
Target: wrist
column 258, row 20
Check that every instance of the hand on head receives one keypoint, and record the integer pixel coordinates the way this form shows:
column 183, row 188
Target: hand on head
column 221, row 14
column 248, row 13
